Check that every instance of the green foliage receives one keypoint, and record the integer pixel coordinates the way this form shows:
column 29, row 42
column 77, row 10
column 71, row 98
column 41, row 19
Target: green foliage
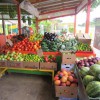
column 33, row 25
column 71, row 29
column 29, row 20
column 95, row 4
column 12, row 12
column 63, row 30
column 23, row 19
column 47, row 25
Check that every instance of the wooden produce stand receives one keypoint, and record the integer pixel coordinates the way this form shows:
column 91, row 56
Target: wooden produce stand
column 32, row 71
column 2, row 71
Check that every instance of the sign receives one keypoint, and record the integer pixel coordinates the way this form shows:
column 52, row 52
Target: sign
column 97, row 34
column 40, row 52
column 10, row 42
column 27, row 6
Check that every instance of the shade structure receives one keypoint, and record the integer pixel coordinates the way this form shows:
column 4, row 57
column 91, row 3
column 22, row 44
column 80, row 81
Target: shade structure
column 50, row 9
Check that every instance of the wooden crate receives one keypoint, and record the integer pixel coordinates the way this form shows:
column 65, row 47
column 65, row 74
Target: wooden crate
column 14, row 64
column 48, row 65
column 66, row 91
column 33, row 65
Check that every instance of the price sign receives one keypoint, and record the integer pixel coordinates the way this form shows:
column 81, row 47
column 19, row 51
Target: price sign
column 40, row 52
column 9, row 42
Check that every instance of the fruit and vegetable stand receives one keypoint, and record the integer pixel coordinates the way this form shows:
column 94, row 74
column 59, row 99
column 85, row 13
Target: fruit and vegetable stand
column 39, row 54
column 71, row 62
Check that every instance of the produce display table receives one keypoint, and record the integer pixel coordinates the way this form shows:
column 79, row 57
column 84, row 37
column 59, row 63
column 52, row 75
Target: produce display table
column 85, row 54
column 27, row 69
column 2, row 71
column 78, row 53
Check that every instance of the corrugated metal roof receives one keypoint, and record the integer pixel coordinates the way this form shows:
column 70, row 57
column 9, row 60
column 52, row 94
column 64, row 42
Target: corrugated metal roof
column 45, row 6
column 55, row 8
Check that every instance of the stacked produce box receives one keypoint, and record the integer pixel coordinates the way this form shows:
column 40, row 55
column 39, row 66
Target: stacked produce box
column 66, row 83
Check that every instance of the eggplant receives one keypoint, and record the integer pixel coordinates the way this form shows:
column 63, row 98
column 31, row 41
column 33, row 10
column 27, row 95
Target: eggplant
column 89, row 60
column 97, row 58
column 87, row 64
column 91, row 63
column 95, row 61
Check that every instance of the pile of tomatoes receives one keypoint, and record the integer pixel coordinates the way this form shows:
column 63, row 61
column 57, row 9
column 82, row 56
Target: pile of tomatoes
column 26, row 45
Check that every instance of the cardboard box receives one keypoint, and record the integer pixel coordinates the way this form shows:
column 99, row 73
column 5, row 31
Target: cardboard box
column 47, row 65
column 66, row 91
column 33, row 65
column 84, row 38
column 3, row 63
column 62, row 98
column 67, row 66
column 14, row 64
column 68, row 58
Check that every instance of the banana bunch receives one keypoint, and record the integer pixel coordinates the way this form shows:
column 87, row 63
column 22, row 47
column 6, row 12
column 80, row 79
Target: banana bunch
column 35, row 37
column 32, row 37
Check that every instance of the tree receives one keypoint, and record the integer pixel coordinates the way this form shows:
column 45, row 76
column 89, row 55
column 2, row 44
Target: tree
column 47, row 25
column 95, row 4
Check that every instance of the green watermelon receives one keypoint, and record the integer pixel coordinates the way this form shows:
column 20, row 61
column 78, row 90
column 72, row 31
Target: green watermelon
column 87, row 79
column 93, row 89
column 95, row 70
column 84, row 71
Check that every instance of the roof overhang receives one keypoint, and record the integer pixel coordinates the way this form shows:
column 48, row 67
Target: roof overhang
column 50, row 9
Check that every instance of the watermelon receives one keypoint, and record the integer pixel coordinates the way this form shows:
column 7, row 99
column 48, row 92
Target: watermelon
column 95, row 70
column 84, row 71
column 87, row 79
column 93, row 89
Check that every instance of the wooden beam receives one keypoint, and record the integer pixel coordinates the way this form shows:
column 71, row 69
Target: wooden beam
column 75, row 23
column 3, row 24
column 58, row 6
column 19, row 18
column 15, row 1
column 56, row 17
column 88, row 17
column 55, row 3
column 58, row 10
column 37, row 1
column 37, row 24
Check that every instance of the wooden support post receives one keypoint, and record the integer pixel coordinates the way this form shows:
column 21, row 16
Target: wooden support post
column 88, row 17
column 37, row 22
column 3, row 24
column 75, row 25
column 19, row 19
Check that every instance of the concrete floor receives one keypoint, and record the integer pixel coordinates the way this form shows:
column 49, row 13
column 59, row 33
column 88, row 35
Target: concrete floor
column 26, row 87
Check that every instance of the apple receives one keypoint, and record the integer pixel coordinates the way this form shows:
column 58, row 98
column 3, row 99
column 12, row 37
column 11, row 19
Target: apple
column 68, row 83
column 63, row 84
column 56, row 78
column 57, row 82
column 63, row 79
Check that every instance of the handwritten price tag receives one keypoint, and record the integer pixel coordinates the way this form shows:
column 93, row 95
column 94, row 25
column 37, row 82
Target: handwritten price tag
column 40, row 52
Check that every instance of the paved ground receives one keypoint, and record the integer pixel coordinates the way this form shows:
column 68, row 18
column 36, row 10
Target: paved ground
column 26, row 87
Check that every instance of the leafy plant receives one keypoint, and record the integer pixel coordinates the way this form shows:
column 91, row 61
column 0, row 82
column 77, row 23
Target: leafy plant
column 12, row 12
column 29, row 20
column 23, row 19
column 47, row 25
column 63, row 30
column 71, row 29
